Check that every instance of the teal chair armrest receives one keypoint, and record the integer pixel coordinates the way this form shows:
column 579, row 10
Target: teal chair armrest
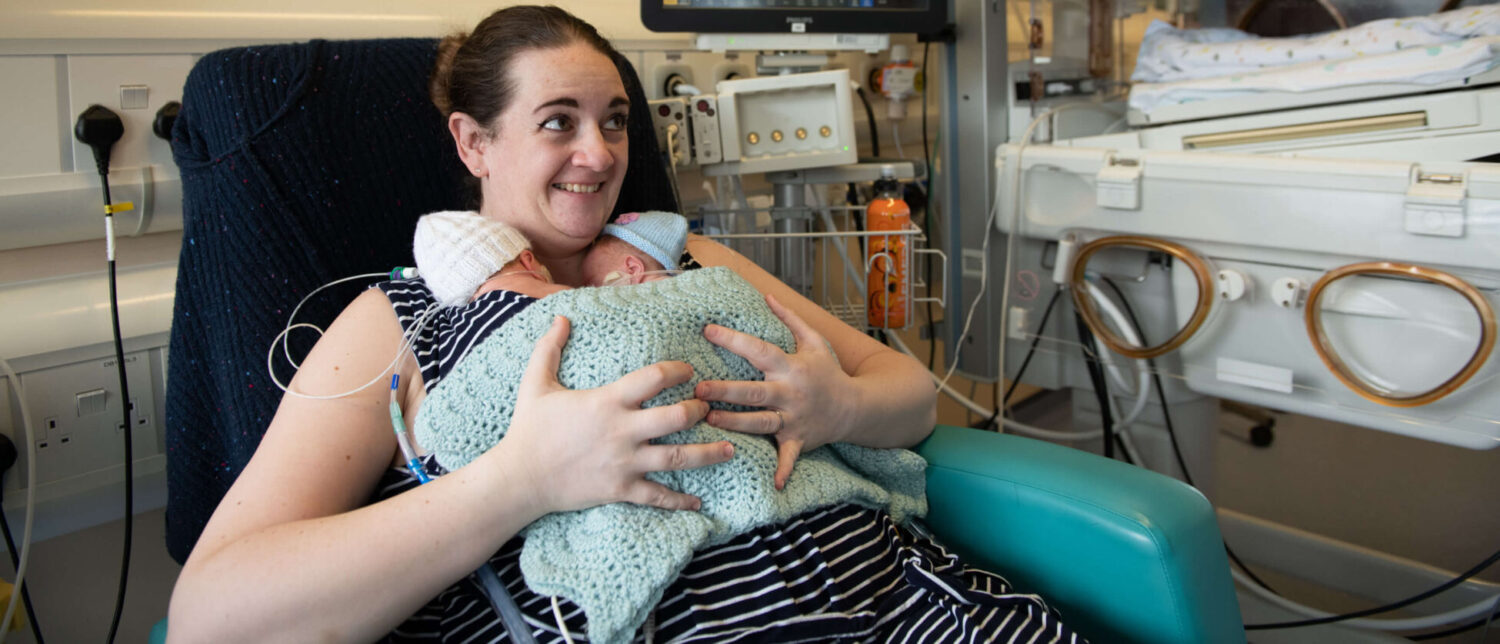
column 1127, row 555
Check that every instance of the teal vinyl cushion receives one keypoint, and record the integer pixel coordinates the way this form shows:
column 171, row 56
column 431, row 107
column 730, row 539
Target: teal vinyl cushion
column 1125, row 554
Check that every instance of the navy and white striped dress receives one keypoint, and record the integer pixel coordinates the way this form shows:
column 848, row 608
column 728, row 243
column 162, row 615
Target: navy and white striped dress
column 842, row 573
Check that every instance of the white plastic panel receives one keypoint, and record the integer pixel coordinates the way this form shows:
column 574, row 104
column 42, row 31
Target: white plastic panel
column 787, row 122
column 52, row 315
column 1273, row 220
column 29, row 114
column 1261, row 332
column 1346, row 208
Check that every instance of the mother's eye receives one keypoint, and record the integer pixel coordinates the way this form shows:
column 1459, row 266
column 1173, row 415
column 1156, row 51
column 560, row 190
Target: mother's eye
column 557, row 123
column 617, row 122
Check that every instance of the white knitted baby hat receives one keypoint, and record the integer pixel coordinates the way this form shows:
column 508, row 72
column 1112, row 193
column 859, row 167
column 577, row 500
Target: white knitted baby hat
column 456, row 251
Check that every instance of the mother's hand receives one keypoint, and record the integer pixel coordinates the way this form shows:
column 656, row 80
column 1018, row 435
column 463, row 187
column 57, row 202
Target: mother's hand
column 579, row 449
column 805, row 395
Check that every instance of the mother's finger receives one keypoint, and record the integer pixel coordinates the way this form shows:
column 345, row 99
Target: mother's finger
column 660, row 421
column 751, row 393
column 654, row 494
column 787, row 451
column 807, row 337
column 662, row 458
column 541, row 369
column 750, row 422
column 643, row 384
column 763, row 355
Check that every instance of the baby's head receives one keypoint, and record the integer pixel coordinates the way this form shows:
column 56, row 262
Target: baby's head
column 457, row 252
column 635, row 248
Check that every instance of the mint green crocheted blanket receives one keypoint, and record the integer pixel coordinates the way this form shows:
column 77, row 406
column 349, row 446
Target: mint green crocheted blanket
column 615, row 561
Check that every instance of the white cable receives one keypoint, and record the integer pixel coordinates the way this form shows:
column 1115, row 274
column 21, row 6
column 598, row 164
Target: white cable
column 409, row 338
column 896, row 136
column 1143, row 368
column 672, row 144
column 1019, row 427
column 24, row 558
column 1010, row 242
column 562, row 627
column 850, row 271
column 1471, row 611
column 285, row 350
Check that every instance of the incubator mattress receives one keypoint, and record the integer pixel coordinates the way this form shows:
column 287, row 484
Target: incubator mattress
column 1178, row 67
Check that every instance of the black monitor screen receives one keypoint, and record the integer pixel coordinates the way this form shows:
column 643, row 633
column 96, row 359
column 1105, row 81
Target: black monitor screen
column 795, row 16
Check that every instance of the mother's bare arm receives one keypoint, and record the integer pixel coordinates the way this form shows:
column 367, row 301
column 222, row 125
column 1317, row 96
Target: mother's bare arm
column 291, row 554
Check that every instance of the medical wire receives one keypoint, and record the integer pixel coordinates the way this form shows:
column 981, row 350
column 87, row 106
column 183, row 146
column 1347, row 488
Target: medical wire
column 15, row 562
column 1488, row 621
column 489, row 580
column 561, row 625
column 896, row 137
column 1354, row 619
column 1019, row 427
column 408, row 339
column 1099, row 382
column 1143, row 387
column 869, row 114
column 25, row 558
column 1011, row 236
column 286, row 351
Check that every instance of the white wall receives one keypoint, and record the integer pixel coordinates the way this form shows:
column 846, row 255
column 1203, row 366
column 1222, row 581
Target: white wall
column 281, row 19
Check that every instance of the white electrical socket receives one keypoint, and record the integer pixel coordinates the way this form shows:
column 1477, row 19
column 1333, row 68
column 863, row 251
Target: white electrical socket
column 99, row 80
column 703, row 112
column 93, row 438
column 666, row 112
column 1020, row 319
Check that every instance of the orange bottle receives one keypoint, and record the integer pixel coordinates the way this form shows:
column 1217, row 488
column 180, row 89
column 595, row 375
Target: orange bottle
column 887, row 257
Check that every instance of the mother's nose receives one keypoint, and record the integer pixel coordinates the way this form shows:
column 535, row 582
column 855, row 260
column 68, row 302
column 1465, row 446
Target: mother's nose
column 593, row 150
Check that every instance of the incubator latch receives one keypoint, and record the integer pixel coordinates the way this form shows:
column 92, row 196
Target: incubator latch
column 1119, row 184
column 1435, row 205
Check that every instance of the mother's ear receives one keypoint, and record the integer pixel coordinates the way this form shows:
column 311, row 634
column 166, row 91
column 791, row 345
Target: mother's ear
column 471, row 139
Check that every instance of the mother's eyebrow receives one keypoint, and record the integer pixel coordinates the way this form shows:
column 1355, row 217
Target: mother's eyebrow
column 573, row 103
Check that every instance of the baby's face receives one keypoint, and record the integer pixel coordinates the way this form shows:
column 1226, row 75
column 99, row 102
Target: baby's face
column 612, row 262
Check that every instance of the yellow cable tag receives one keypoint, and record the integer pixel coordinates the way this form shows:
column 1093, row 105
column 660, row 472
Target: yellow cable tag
column 123, row 206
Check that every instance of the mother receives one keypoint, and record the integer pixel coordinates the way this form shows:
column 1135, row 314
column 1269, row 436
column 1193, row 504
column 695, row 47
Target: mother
column 298, row 550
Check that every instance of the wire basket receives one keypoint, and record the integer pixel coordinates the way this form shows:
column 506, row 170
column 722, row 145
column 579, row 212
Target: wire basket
column 821, row 253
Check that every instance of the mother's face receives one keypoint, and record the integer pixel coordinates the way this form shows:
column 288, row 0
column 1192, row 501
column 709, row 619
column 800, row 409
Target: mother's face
column 559, row 152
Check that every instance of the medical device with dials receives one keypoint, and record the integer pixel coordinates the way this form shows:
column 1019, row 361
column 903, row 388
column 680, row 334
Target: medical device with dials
column 762, row 124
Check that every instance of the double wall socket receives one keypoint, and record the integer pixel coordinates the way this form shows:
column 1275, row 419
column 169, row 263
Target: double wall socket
column 76, row 414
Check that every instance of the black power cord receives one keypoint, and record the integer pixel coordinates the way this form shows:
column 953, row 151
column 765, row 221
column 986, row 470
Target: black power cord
column 8, row 459
column 870, row 114
column 1171, row 434
column 993, row 421
column 99, row 128
column 927, row 213
column 1161, row 398
column 1101, row 384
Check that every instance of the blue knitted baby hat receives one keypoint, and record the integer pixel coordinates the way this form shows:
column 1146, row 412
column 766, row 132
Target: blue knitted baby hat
column 662, row 235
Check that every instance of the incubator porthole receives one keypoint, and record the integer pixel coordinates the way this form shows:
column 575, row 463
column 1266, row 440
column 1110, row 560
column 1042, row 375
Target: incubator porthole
column 1444, row 327
column 1102, row 265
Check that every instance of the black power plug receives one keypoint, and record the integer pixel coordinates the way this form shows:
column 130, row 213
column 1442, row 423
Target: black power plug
column 165, row 117
column 7, row 454
column 99, row 128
